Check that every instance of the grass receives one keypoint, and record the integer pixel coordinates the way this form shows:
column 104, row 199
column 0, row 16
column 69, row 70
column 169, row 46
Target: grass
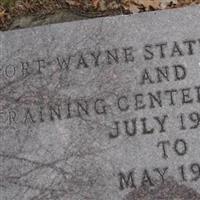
column 9, row 9
column 7, row 3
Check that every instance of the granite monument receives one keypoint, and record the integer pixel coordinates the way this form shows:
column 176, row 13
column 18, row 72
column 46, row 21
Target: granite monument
column 102, row 109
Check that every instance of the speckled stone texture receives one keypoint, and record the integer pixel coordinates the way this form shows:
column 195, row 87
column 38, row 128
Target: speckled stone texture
column 102, row 109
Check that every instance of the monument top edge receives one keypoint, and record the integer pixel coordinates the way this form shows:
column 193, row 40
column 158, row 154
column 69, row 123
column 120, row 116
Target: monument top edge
column 193, row 10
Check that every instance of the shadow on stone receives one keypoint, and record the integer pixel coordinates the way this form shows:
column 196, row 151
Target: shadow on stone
column 169, row 190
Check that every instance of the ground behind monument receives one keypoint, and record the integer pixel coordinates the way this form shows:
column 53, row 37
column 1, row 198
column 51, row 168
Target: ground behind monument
column 26, row 13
